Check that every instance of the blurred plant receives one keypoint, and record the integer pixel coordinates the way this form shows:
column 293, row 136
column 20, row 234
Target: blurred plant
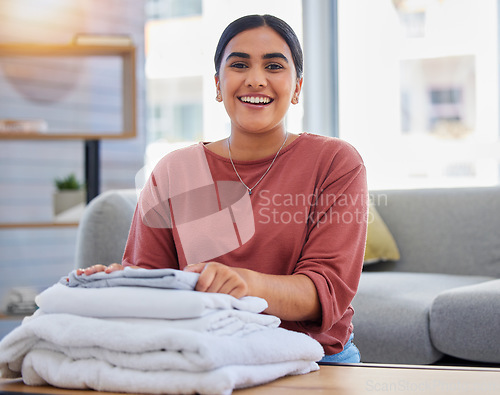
column 68, row 183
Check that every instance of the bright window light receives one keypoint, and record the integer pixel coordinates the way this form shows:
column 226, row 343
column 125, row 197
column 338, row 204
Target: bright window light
column 418, row 90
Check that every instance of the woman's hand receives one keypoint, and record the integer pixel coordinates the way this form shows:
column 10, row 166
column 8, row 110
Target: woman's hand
column 290, row 297
column 219, row 278
column 101, row 268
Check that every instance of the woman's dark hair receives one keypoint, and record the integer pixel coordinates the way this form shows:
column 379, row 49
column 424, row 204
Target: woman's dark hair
column 253, row 21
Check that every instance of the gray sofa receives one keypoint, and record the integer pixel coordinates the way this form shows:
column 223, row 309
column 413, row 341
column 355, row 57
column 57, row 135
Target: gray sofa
column 442, row 298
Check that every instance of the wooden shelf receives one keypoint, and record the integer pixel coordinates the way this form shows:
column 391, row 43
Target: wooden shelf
column 6, row 317
column 25, row 225
column 125, row 52
column 30, row 49
column 64, row 136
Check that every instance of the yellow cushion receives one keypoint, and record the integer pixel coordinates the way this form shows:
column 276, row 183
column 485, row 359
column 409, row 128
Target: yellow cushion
column 380, row 245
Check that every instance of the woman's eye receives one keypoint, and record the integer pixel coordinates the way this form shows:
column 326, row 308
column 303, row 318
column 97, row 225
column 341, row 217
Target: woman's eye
column 238, row 65
column 274, row 66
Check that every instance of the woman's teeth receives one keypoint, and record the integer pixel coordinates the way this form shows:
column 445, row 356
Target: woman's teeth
column 255, row 100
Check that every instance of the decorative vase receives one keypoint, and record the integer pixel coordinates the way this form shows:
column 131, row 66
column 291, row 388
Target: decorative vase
column 67, row 199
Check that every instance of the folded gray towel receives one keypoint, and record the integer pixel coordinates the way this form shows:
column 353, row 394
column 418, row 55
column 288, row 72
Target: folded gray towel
column 153, row 278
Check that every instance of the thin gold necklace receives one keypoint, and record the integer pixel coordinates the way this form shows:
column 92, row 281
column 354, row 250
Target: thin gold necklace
column 263, row 175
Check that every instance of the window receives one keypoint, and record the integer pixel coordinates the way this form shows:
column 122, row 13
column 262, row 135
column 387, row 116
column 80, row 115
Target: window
column 175, row 109
column 438, row 95
column 163, row 9
column 418, row 90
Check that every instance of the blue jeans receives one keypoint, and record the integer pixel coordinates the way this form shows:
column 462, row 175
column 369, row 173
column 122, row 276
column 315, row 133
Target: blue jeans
column 350, row 354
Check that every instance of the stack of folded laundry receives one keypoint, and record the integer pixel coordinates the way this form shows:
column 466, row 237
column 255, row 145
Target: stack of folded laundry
column 148, row 331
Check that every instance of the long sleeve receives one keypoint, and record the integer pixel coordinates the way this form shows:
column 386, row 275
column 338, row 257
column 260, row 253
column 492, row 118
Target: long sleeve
column 333, row 250
column 179, row 190
column 150, row 248
column 333, row 253
column 150, row 243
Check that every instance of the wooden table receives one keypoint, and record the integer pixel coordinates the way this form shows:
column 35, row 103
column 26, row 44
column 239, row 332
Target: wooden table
column 348, row 380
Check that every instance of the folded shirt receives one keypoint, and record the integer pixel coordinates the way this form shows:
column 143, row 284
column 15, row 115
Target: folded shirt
column 153, row 278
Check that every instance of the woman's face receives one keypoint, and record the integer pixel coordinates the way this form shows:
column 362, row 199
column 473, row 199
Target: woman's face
column 257, row 80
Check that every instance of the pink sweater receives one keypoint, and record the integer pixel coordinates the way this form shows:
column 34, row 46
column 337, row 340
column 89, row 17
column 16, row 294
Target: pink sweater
column 309, row 217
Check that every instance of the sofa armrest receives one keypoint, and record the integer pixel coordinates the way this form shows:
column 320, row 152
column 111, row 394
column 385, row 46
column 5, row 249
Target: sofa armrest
column 104, row 227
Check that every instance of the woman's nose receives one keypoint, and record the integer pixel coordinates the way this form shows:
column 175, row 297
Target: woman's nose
column 256, row 78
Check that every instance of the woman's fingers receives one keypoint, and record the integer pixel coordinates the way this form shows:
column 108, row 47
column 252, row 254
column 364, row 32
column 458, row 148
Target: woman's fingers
column 237, row 289
column 100, row 268
column 218, row 278
column 195, row 268
column 114, row 267
column 93, row 269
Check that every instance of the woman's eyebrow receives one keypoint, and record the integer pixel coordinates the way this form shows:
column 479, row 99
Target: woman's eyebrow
column 238, row 55
column 275, row 55
column 244, row 55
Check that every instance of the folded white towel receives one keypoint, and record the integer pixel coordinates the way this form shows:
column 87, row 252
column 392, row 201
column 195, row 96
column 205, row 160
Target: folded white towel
column 142, row 346
column 141, row 302
column 219, row 322
column 134, row 356
column 44, row 366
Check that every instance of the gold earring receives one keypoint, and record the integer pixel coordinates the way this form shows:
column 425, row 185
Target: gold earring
column 295, row 100
column 218, row 97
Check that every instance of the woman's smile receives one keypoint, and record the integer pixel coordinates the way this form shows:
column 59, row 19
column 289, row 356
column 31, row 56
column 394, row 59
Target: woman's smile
column 256, row 100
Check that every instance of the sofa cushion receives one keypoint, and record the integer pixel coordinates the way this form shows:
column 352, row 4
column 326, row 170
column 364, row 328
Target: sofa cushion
column 391, row 320
column 380, row 245
column 465, row 322
column 448, row 230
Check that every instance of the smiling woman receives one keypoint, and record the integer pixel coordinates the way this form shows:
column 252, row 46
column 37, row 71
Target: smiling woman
column 200, row 210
